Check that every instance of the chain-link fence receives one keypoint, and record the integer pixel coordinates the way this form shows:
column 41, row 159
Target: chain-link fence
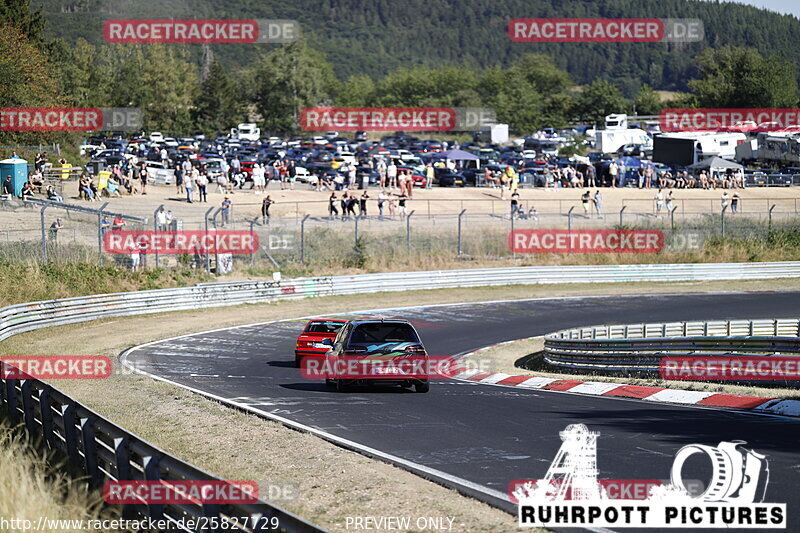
column 50, row 232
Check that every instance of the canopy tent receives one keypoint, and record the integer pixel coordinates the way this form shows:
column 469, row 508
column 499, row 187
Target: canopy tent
column 629, row 162
column 715, row 163
column 456, row 155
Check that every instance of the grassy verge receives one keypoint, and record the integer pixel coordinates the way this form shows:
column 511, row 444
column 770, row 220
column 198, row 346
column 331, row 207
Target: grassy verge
column 506, row 358
column 29, row 490
column 24, row 279
column 332, row 483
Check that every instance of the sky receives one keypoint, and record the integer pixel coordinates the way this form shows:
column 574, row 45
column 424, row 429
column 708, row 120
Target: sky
column 790, row 7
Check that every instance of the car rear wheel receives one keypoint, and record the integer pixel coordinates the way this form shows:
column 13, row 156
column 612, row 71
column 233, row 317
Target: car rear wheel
column 298, row 361
column 342, row 385
column 422, row 386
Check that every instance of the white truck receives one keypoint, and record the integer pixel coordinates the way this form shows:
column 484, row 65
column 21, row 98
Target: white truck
column 617, row 134
column 246, row 132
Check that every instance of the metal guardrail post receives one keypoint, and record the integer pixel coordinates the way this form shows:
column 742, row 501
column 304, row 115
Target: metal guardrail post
column 621, row 212
column 461, row 214
column 100, row 232
column 408, row 229
column 27, row 405
column 46, row 414
column 11, row 400
column 303, row 240
column 155, row 226
column 70, row 433
column 150, row 465
column 569, row 218
column 44, row 237
column 90, row 450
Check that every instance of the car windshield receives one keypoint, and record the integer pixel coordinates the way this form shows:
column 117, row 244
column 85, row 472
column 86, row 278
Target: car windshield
column 324, row 326
column 383, row 332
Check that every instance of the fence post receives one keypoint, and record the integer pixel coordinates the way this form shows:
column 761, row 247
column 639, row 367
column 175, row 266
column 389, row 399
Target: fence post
column 769, row 223
column 513, row 249
column 722, row 221
column 569, row 227
column 208, row 258
column 459, row 230
column 253, row 255
column 355, row 244
column 100, row 233
column 621, row 211
column 672, row 217
column 44, row 237
column 155, row 225
column 408, row 229
column 303, row 240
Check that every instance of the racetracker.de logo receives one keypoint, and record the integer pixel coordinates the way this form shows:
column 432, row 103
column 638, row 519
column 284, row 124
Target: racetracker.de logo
column 181, row 242
column 70, row 119
column 396, row 118
column 587, row 241
column 196, row 31
column 55, row 367
column 382, row 367
column 730, row 368
column 737, row 120
column 180, row 491
column 600, row 30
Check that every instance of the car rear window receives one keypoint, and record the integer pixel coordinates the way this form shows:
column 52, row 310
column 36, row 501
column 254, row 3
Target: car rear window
column 384, row 332
column 324, row 327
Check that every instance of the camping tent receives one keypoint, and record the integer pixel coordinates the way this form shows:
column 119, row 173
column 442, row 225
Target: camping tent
column 455, row 155
column 715, row 163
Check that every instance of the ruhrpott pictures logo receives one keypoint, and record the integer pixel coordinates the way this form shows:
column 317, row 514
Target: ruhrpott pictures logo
column 734, row 497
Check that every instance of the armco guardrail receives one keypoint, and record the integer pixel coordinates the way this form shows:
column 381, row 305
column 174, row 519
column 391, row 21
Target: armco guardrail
column 102, row 448
column 638, row 348
column 106, row 452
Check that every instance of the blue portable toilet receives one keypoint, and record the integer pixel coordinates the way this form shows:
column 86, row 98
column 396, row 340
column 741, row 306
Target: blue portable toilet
column 18, row 170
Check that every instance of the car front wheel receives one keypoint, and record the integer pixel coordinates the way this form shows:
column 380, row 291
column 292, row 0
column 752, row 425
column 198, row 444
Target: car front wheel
column 422, row 386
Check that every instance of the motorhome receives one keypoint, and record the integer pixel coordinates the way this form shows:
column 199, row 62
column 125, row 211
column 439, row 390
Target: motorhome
column 246, row 132
column 770, row 148
column 617, row 134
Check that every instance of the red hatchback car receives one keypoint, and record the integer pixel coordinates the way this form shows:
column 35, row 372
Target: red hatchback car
column 309, row 343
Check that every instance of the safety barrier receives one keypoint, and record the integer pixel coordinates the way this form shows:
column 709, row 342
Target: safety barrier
column 638, row 348
column 106, row 451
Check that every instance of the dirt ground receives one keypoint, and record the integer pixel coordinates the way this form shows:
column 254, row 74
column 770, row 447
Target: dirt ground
column 426, row 202
column 333, row 483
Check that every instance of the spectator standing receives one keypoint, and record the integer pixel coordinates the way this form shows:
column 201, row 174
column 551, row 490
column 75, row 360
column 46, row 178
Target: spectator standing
column 598, row 203
column 179, row 178
column 362, row 204
column 381, row 201
column 226, row 210
column 735, row 203
column 724, row 200
column 659, row 202
column 143, row 178
column 429, row 174
column 585, row 199
column 332, row 212
column 391, row 174
column 382, row 173
column 401, row 203
column 8, row 187
column 54, row 228
column 343, row 203
column 591, row 175
column 236, row 167
column 265, row 203
column 202, row 186
column 514, row 204
column 613, row 171
column 161, row 220
column 189, row 184
column 670, row 207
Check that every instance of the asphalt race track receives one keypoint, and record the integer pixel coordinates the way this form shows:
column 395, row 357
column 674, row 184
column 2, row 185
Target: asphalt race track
column 484, row 434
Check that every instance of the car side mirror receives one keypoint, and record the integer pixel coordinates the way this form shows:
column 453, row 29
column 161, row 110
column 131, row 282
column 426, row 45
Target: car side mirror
column 327, row 342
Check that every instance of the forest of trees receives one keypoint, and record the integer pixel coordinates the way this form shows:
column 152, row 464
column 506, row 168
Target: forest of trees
column 195, row 88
